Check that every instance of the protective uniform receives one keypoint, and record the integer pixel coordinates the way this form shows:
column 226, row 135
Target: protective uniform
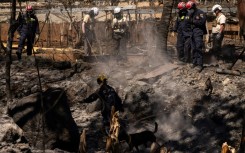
column 28, row 29
column 179, row 26
column 88, row 29
column 218, row 35
column 198, row 25
column 120, row 31
column 108, row 97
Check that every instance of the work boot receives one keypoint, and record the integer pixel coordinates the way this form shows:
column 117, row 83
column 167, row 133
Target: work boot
column 18, row 55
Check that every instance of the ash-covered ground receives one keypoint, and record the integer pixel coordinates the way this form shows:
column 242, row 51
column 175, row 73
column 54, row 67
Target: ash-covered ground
column 189, row 119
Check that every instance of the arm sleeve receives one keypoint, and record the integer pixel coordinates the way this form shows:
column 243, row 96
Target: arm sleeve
column 118, row 102
column 94, row 96
column 86, row 18
column 19, row 20
column 222, row 19
column 37, row 25
column 201, row 21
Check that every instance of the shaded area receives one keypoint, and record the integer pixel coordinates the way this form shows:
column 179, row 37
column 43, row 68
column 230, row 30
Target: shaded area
column 60, row 129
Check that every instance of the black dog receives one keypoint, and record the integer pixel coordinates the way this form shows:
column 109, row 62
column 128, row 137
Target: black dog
column 136, row 139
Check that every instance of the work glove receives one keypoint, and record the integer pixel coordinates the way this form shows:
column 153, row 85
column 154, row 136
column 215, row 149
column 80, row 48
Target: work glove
column 218, row 36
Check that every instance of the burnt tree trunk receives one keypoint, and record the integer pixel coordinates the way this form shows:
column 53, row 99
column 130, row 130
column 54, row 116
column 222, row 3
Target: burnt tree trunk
column 12, row 29
column 165, row 23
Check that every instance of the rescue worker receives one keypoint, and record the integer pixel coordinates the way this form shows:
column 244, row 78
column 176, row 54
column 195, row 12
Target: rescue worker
column 218, row 29
column 28, row 29
column 179, row 25
column 88, row 29
column 197, row 19
column 108, row 97
column 120, row 32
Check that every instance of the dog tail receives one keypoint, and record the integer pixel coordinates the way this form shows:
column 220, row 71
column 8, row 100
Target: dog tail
column 156, row 127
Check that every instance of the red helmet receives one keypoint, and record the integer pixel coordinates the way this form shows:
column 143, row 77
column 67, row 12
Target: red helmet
column 190, row 5
column 181, row 5
column 29, row 8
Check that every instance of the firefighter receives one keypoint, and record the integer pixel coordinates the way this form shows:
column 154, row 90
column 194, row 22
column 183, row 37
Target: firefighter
column 120, row 31
column 108, row 97
column 179, row 25
column 28, row 29
column 218, row 29
column 197, row 19
column 88, row 30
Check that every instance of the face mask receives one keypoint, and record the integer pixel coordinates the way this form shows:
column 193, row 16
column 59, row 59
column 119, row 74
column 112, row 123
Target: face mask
column 118, row 15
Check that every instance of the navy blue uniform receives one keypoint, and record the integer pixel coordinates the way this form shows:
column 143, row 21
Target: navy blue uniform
column 109, row 98
column 179, row 26
column 29, row 26
column 187, row 34
column 199, row 29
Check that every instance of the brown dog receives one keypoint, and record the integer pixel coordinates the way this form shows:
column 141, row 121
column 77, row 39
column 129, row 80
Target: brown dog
column 115, row 126
column 136, row 139
column 112, row 143
column 227, row 149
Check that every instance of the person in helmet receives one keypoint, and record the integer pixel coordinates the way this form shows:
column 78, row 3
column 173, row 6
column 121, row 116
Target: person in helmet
column 196, row 19
column 28, row 29
column 108, row 96
column 120, row 31
column 88, row 29
column 218, row 29
column 179, row 25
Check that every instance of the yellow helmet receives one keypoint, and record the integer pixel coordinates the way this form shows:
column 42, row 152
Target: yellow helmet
column 101, row 79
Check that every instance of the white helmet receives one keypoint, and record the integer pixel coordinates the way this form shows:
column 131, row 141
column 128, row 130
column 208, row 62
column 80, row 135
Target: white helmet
column 95, row 10
column 117, row 10
column 215, row 7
